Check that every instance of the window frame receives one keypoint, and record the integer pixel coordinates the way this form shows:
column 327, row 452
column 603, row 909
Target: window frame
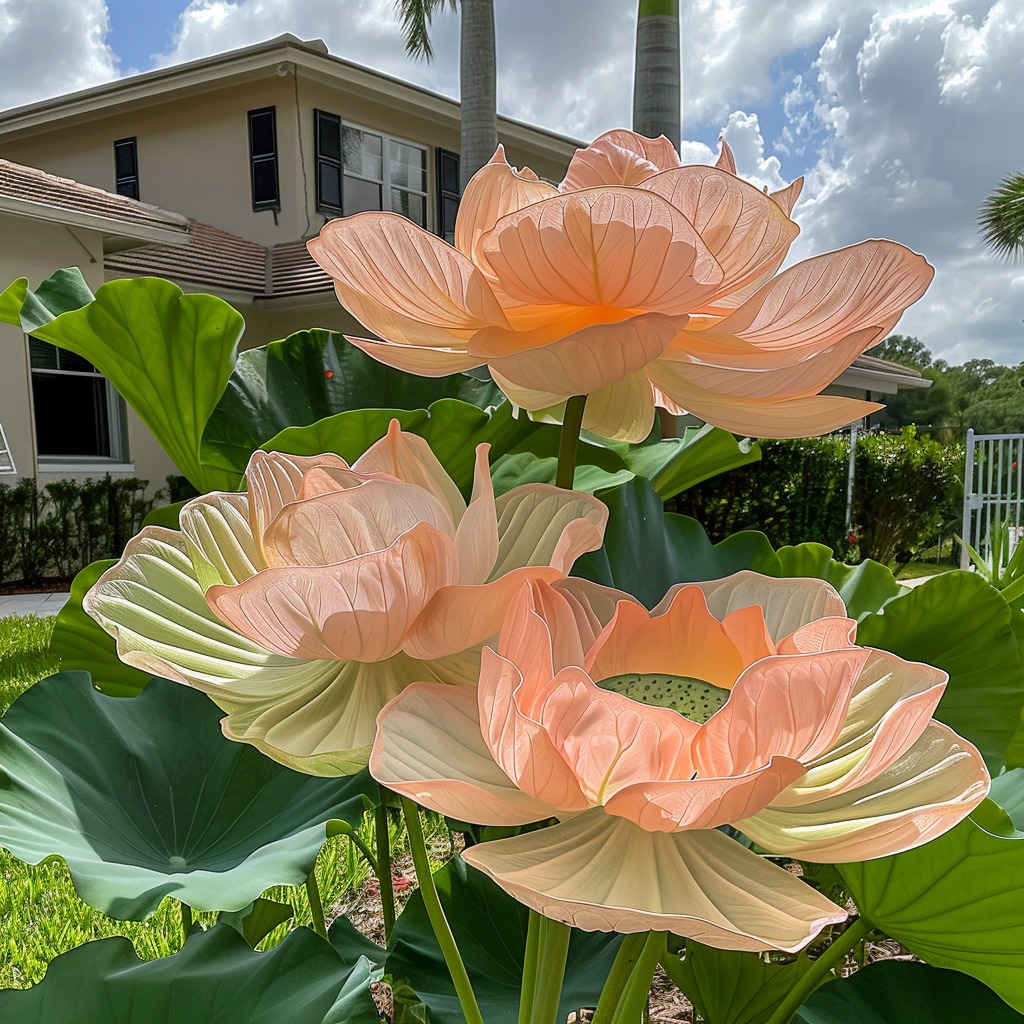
column 264, row 159
column 444, row 195
column 115, row 413
column 385, row 180
column 128, row 144
column 329, row 163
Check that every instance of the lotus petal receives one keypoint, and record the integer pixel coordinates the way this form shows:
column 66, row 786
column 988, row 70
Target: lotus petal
column 435, row 755
column 219, row 537
column 476, row 539
column 594, row 872
column 618, row 157
column 402, row 282
column 361, row 608
column 938, row 782
column 620, row 248
column 624, row 411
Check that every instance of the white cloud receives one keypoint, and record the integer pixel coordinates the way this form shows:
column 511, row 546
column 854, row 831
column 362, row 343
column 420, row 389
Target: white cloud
column 49, row 47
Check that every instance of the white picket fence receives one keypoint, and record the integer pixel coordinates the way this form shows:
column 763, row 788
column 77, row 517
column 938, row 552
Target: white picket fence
column 993, row 489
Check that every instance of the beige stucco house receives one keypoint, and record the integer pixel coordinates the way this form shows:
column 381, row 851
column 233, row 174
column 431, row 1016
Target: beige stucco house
column 254, row 150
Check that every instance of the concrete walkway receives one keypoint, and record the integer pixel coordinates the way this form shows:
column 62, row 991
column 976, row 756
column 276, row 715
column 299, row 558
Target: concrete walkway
column 32, row 604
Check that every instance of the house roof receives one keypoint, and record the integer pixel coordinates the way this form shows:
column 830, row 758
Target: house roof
column 279, row 55
column 30, row 192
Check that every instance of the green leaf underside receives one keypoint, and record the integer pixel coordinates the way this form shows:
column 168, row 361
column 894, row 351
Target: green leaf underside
column 215, row 979
column 692, row 698
column 145, row 797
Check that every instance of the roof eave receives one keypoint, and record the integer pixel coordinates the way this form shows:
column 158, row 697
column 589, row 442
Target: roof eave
column 109, row 227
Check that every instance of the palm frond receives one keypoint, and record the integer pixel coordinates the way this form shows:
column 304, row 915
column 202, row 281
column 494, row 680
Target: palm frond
column 416, row 16
column 1001, row 219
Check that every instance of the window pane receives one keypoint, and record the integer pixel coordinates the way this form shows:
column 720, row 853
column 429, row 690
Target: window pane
column 42, row 355
column 407, row 166
column 361, row 195
column 261, row 132
column 362, row 153
column 449, row 172
column 264, row 182
column 328, row 135
column 71, row 415
column 410, row 205
column 449, row 208
column 124, row 159
column 329, row 185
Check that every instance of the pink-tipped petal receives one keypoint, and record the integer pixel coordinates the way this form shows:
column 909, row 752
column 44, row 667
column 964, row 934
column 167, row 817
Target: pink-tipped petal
column 520, row 744
column 826, row 634
column 540, row 635
column 494, row 191
column 420, row 360
column 937, row 783
column 408, row 457
column 618, row 157
column 593, row 605
column 787, row 603
column 791, row 706
column 581, row 362
column 539, row 524
column 595, row 872
column 340, row 525
column 476, row 539
column 744, row 229
column 402, row 282
column 726, row 161
column 673, row 805
column 429, row 748
column 360, row 609
column 616, row 247
column 460, row 617
column 686, row 640
column 274, row 480
column 787, row 197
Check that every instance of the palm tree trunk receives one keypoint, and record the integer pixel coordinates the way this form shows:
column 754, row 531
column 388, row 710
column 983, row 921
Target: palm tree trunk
column 657, row 81
column 477, row 88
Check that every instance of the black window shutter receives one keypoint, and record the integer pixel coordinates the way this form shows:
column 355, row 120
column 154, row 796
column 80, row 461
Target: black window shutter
column 266, row 194
column 447, row 192
column 126, row 168
column 328, row 162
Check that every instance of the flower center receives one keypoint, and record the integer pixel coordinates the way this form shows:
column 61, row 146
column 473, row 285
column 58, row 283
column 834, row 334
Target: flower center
column 692, row 698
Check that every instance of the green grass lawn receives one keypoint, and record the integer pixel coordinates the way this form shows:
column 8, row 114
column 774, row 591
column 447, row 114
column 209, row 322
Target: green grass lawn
column 40, row 910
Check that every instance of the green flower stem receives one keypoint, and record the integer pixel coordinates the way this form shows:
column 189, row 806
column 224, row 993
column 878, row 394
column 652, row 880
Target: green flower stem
column 383, row 867
column 618, row 977
column 633, row 1004
column 572, row 422
column 186, row 920
column 316, row 906
column 435, row 912
column 553, row 948
column 529, row 969
column 819, row 970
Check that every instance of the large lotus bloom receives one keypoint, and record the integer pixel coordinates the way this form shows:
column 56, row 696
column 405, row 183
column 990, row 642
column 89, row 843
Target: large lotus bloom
column 739, row 702
column 306, row 604
column 636, row 281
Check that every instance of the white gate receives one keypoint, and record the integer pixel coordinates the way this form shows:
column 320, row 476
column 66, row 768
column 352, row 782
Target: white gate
column 993, row 489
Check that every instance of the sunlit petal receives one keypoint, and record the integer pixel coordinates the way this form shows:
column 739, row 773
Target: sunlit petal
column 220, row 541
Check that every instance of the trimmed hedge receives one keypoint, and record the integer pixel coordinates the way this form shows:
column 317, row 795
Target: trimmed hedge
column 907, row 489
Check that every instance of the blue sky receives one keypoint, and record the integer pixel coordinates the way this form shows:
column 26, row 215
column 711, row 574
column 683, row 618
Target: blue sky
column 902, row 114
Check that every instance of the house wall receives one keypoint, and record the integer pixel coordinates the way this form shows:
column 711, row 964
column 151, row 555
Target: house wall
column 35, row 249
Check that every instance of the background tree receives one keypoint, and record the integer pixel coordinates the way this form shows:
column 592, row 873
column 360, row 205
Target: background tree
column 1002, row 218
column 657, row 79
column 478, row 97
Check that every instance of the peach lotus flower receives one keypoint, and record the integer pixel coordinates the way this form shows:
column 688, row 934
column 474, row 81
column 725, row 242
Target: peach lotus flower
column 304, row 605
column 760, row 713
column 636, row 281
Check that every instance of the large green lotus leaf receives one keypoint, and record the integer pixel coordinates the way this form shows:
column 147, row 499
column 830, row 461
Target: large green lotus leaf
column 168, row 354
column 311, row 375
column 961, row 624
column 80, row 642
column 898, row 992
column 956, row 901
column 27, row 309
column 647, row 550
column 452, row 428
column 864, row 588
column 490, row 931
column 730, row 987
column 214, row 979
column 145, row 798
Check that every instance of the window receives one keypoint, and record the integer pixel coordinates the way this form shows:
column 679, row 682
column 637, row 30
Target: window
column 266, row 194
column 447, row 193
column 78, row 415
column 126, row 168
column 381, row 173
column 328, row 163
